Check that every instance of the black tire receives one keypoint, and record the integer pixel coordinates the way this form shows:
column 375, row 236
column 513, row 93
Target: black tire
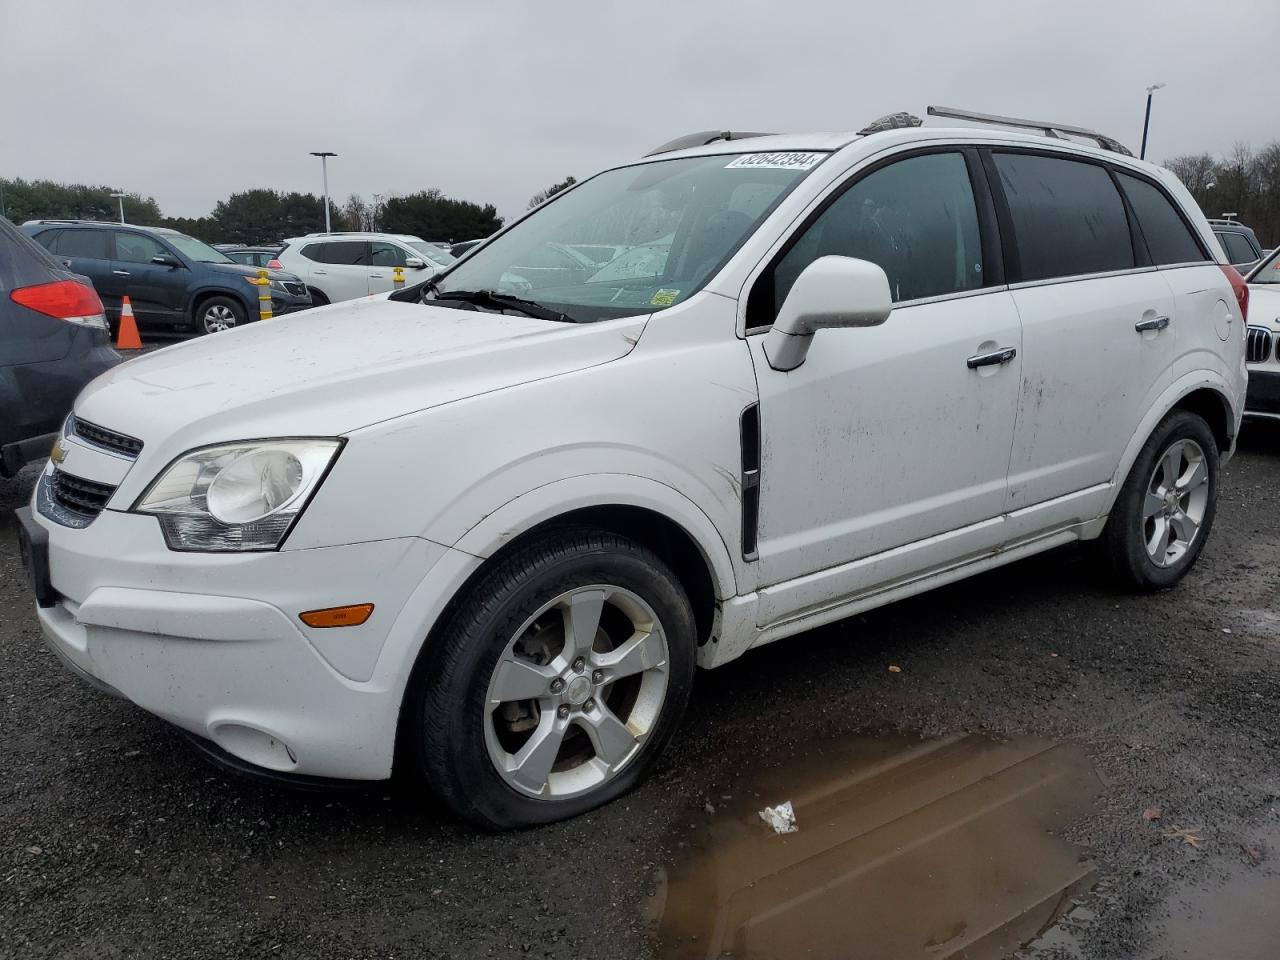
column 1122, row 545
column 318, row 299
column 219, row 310
column 446, row 740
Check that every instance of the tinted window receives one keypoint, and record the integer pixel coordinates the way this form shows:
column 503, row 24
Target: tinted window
column 915, row 218
column 92, row 244
column 1239, row 250
column 47, row 238
column 313, row 252
column 352, row 253
column 1168, row 237
column 1068, row 217
column 386, row 254
column 135, row 248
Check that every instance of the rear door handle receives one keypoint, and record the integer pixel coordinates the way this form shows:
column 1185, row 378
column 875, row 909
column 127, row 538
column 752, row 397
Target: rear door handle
column 377, row 276
column 320, row 273
column 1003, row 355
column 1155, row 323
column 121, row 273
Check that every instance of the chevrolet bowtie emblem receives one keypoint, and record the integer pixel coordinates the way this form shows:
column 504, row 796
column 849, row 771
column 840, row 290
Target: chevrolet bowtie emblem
column 58, row 453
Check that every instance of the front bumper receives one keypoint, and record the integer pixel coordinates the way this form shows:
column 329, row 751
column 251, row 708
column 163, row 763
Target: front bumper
column 1263, row 397
column 212, row 642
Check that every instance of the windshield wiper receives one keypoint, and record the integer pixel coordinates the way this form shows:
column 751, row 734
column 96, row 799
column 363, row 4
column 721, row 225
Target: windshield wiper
column 503, row 301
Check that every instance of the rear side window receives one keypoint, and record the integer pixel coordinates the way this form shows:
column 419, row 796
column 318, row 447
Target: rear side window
column 1239, row 249
column 916, row 218
column 1068, row 218
column 92, row 244
column 47, row 238
column 1169, row 239
column 352, row 253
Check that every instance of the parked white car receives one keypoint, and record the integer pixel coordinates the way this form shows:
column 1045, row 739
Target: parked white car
column 489, row 536
column 345, row 266
column 1263, row 400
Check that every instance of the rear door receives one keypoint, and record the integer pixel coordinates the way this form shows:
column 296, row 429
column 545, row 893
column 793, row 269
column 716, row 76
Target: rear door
column 88, row 252
column 341, row 271
column 1098, row 343
column 155, row 292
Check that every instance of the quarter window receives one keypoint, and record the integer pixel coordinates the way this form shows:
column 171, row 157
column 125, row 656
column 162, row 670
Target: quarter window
column 916, row 218
column 90, row 244
column 1239, row 249
column 135, row 248
column 1169, row 239
column 1068, row 218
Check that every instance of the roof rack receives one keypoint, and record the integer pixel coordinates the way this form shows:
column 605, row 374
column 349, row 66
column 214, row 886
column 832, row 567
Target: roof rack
column 1054, row 130
column 1226, row 218
column 701, row 139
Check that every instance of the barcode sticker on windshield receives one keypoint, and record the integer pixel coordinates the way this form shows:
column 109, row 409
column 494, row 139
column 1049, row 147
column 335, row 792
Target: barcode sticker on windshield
column 776, row 161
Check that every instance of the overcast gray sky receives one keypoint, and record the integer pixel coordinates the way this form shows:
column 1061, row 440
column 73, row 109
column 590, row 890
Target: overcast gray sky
column 492, row 100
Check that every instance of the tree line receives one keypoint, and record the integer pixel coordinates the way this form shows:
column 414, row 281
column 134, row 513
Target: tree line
column 259, row 216
column 1245, row 183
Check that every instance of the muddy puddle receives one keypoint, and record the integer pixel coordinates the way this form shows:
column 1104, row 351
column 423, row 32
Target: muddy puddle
column 905, row 848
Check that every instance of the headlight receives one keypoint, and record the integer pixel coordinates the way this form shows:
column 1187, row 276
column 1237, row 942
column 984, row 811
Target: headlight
column 237, row 496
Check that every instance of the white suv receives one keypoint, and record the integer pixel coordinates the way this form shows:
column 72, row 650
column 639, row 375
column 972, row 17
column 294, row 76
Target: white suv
column 1264, row 330
column 488, row 535
column 344, row 266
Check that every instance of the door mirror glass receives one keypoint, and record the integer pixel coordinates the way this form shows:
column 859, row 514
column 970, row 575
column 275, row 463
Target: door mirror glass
column 414, row 263
column 830, row 292
column 166, row 260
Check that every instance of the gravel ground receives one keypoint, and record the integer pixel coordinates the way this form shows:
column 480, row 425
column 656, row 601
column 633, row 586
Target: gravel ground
column 116, row 841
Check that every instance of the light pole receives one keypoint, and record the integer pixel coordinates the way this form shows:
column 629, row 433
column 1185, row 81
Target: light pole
column 120, row 197
column 324, row 156
column 1142, row 154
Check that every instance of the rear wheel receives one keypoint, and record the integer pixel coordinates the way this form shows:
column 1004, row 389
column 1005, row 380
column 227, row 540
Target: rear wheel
column 557, row 682
column 318, row 299
column 1165, row 510
column 218, row 314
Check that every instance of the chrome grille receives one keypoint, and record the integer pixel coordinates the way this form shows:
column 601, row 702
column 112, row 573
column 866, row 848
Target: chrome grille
column 1257, row 345
column 86, row 497
column 118, row 443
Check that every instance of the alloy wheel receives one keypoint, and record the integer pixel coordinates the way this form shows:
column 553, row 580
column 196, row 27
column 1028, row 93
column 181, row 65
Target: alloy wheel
column 576, row 692
column 218, row 318
column 1175, row 503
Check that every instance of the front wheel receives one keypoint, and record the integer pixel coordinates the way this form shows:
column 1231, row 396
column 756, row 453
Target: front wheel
column 218, row 314
column 1165, row 510
column 559, row 679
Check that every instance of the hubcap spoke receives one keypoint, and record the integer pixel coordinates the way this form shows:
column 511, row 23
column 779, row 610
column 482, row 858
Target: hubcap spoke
column 1184, row 527
column 581, row 621
column 532, row 765
column 1172, row 465
column 1153, row 505
column 1158, row 544
column 645, row 650
column 1196, row 475
column 517, row 679
column 612, row 741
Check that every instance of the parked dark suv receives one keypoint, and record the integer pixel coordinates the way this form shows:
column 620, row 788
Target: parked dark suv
column 1240, row 243
column 53, row 340
column 174, row 282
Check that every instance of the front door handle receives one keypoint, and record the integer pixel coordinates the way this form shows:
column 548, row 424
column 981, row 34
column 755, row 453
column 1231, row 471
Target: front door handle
column 1155, row 323
column 377, row 276
column 321, row 273
column 121, row 273
column 1003, row 355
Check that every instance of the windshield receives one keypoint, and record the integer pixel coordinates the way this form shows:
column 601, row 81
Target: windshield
column 196, row 249
column 433, row 253
column 636, row 239
column 1269, row 270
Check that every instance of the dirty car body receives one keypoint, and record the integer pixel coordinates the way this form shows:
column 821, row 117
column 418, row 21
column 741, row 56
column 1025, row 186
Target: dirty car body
column 560, row 495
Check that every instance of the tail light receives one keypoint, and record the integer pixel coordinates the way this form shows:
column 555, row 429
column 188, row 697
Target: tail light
column 67, row 300
column 1238, row 287
column 274, row 264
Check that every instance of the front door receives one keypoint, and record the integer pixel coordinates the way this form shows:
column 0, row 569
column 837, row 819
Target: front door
column 384, row 258
column 889, row 442
column 155, row 292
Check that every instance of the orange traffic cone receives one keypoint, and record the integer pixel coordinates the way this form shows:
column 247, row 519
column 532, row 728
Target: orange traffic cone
column 127, row 338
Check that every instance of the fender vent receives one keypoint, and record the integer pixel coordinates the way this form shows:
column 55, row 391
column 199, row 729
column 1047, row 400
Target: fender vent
column 750, row 480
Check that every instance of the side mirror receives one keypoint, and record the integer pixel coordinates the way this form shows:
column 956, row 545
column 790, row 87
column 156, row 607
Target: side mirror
column 414, row 263
column 166, row 260
column 830, row 292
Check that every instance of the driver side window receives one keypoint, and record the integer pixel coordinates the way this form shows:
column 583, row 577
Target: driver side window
column 387, row 254
column 916, row 218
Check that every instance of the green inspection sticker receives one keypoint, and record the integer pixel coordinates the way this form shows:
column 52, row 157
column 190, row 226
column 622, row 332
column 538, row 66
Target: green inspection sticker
column 664, row 298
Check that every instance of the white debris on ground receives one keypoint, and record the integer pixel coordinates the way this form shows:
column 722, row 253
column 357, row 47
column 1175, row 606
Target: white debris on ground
column 781, row 818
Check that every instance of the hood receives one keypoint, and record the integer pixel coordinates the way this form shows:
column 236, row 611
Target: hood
column 1264, row 304
column 244, row 270
column 331, row 370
